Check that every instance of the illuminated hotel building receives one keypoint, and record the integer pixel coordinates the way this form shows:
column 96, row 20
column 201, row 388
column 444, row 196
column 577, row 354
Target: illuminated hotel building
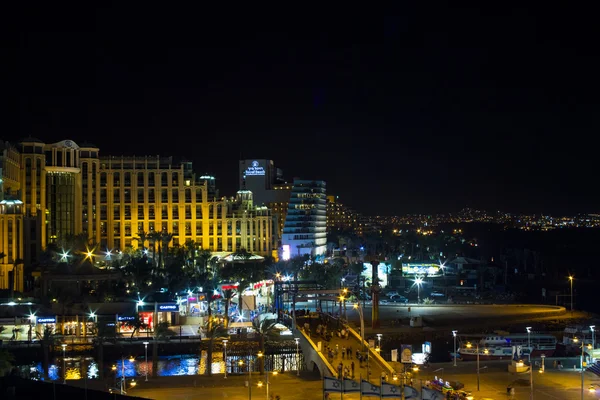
column 339, row 216
column 268, row 187
column 67, row 189
column 305, row 230
column 12, row 219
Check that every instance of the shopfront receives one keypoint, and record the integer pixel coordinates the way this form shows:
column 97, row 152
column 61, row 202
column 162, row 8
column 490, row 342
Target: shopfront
column 124, row 324
column 45, row 322
column 168, row 312
column 193, row 305
column 155, row 313
column 17, row 328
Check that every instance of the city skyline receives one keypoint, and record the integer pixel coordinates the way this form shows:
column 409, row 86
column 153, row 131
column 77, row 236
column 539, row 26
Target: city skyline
column 418, row 113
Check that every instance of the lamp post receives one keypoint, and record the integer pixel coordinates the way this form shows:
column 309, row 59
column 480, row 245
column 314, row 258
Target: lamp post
column 64, row 347
column 114, row 370
column 362, row 325
column 241, row 362
column 529, row 342
column 571, row 280
column 582, row 371
column 418, row 281
column 344, row 297
column 146, row 358
column 297, row 357
column 225, row 357
column 260, row 355
column 454, row 333
column 469, row 345
column 379, row 335
column 530, row 380
column 592, row 328
column 123, row 382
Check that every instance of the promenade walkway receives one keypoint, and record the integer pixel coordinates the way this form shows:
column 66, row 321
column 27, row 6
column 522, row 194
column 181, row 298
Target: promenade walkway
column 343, row 351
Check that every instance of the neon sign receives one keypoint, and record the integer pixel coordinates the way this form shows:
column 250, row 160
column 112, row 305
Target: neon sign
column 168, row 307
column 46, row 320
column 255, row 169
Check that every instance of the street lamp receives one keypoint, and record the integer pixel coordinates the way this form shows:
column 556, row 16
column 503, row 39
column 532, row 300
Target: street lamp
column 486, row 351
column 362, row 325
column 297, row 357
column 123, row 381
column 225, row 349
column 64, row 347
column 582, row 370
column 419, row 281
column 114, row 370
column 379, row 341
column 529, row 341
column 241, row 362
column 454, row 333
column 592, row 327
column 571, row 280
column 146, row 358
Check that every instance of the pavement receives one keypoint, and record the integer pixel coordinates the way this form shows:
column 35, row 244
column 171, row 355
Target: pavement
column 552, row 384
column 307, row 386
column 368, row 371
column 494, row 379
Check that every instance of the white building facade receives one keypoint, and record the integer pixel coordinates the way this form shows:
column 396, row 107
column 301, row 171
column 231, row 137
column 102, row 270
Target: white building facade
column 305, row 229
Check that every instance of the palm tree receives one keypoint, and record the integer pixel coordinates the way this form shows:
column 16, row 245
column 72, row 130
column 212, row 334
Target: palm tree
column 266, row 329
column 104, row 332
column 142, row 238
column 163, row 246
column 204, row 256
column 227, row 295
column 153, row 238
column 46, row 339
column 137, row 324
column 213, row 330
column 161, row 332
column 6, row 360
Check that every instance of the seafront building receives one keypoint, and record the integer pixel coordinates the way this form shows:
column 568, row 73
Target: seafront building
column 53, row 191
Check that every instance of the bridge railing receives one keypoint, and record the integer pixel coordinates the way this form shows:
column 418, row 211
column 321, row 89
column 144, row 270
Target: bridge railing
column 374, row 355
column 322, row 358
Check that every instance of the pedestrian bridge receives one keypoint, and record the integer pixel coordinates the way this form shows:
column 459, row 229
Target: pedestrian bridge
column 335, row 353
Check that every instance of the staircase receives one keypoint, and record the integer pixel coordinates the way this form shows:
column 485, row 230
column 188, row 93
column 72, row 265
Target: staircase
column 595, row 368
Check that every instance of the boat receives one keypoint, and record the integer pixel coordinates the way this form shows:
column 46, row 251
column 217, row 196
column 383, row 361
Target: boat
column 503, row 347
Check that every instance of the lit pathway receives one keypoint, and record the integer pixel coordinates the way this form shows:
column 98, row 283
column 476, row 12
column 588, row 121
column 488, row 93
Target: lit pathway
column 360, row 368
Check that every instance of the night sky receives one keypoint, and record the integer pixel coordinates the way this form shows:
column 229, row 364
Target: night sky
column 426, row 111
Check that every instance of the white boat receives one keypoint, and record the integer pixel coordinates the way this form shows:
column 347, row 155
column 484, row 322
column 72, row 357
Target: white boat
column 502, row 347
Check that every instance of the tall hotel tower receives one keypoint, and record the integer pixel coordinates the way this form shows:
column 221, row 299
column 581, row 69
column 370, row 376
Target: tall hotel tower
column 305, row 229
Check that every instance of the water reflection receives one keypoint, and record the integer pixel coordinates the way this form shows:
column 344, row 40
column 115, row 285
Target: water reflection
column 80, row 367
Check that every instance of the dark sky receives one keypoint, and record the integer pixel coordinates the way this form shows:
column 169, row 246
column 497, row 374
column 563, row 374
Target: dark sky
column 422, row 111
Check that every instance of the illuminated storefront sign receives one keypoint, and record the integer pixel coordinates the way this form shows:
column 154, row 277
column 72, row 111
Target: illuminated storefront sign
column 420, row 269
column 255, row 169
column 46, row 320
column 126, row 318
column 168, row 307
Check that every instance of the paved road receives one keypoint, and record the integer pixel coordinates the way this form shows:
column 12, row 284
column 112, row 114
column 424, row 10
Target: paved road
column 449, row 314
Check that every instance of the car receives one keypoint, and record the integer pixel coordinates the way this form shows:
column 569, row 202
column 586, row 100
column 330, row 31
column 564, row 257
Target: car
column 392, row 293
column 437, row 294
column 399, row 299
